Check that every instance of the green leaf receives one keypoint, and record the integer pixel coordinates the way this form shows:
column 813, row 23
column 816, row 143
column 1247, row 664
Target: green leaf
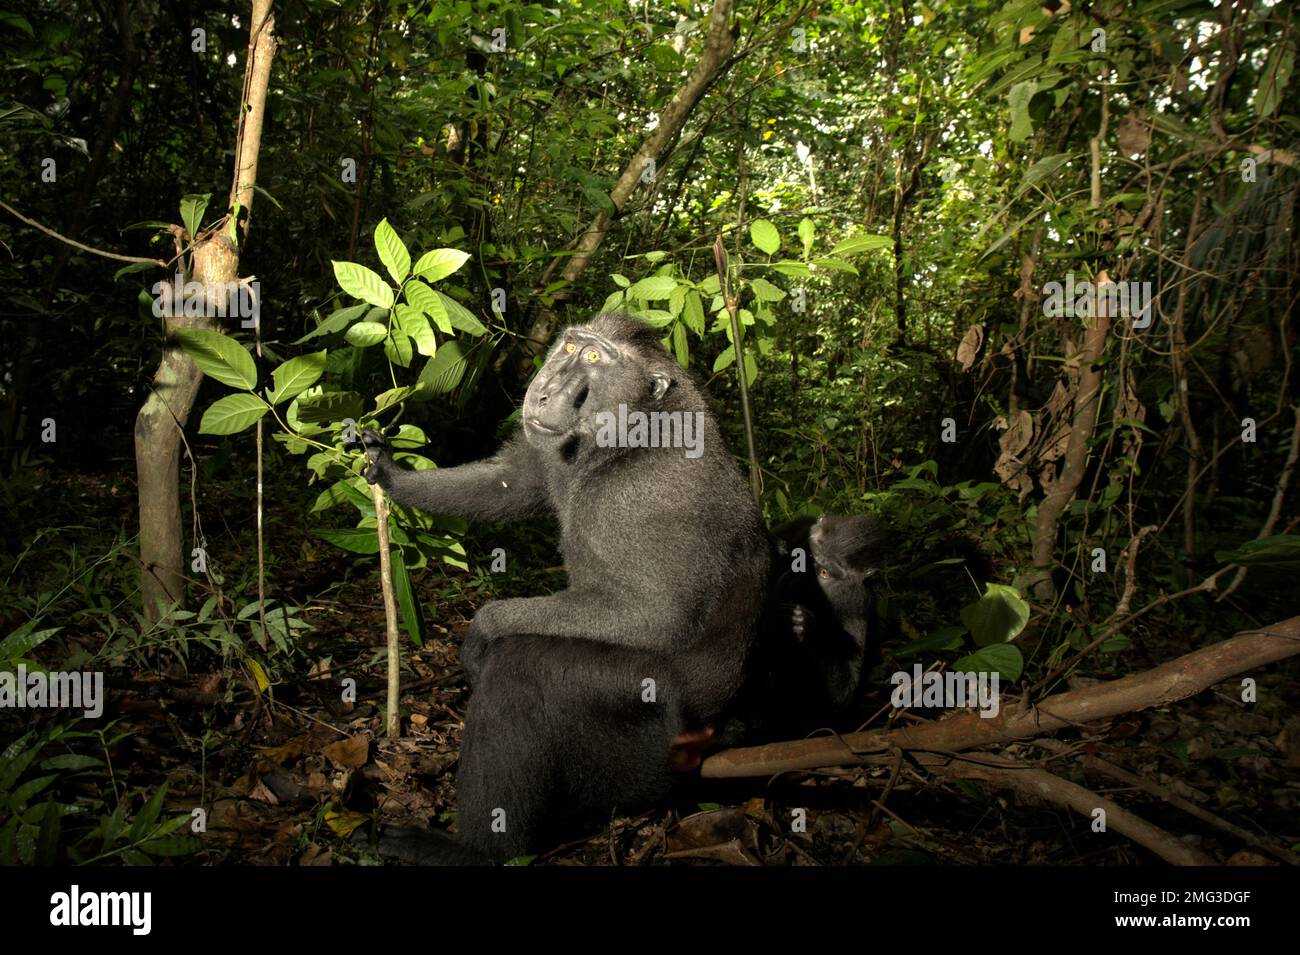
column 338, row 321
column 693, row 312
column 326, row 407
column 1273, row 80
column 835, row 265
column 1019, row 96
column 387, row 399
column 144, row 822
column 358, row 540
column 392, row 252
column 1003, row 659
column 997, row 616
column 365, row 334
column 412, row 321
column 445, row 370
column 806, row 235
column 1041, row 170
column 398, row 347
column 439, row 263
column 71, row 762
column 297, row 375
column 192, row 209
column 861, row 243
column 1278, row 549
column 177, row 845
column 24, row 640
column 425, row 300
column 653, row 287
column 232, row 414
column 681, row 349
column 219, row 356
column 459, row 316
column 363, row 283
column 945, row 638
column 765, row 291
column 406, row 596
column 725, row 360
column 764, row 236
column 795, row 270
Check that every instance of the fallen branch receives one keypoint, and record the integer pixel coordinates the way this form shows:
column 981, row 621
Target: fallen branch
column 1176, row 680
column 1040, row 784
column 1106, row 768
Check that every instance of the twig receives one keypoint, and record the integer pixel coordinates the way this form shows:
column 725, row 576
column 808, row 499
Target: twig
column 80, row 245
column 1274, row 512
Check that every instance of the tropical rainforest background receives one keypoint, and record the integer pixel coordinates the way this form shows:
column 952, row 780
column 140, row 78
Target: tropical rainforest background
column 418, row 193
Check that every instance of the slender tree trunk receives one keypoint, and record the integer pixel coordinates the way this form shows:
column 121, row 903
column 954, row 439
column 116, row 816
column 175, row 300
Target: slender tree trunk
column 160, row 423
column 718, row 45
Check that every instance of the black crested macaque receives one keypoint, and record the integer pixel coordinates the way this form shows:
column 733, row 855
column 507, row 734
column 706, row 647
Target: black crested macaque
column 580, row 697
column 816, row 637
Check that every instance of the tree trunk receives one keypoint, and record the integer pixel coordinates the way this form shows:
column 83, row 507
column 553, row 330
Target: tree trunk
column 718, row 45
column 160, row 424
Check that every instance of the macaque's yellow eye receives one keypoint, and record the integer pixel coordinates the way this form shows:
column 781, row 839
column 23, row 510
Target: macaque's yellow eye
column 592, row 355
column 569, row 347
column 823, row 572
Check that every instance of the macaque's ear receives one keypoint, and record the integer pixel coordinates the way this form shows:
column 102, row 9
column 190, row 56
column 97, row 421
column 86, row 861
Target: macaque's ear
column 659, row 384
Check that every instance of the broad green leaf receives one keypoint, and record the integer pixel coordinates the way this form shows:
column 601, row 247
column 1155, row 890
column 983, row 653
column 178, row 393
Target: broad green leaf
column 24, row 640
column 1278, row 549
column 945, row 638
column 192, row 209
column 219, row 356
column 860, row 243
column 765, row 291
column 996, row 617
column 1005, row 659
column 392, row 252
column 681, row 350
column 321, row 408
column 363, row 283
column 398, row 347
column 795, row 270
column 1273, row 80
column 459, row 316
column 411, row 321
column 1019, row 96
column 764, row 236
column 338, row 321
column 653, row 287
column 725, row 360
column 365, row 334
column 297, row 375
column 693, row 312
column 677, row 300
column 1041, row 170
column 232, row 414
column 406, row 596
column 387, row 399
column 835, row 265
column 806, row 235
column 444, row 371
column 358, row 540
column 439, row 263
column 425, row 300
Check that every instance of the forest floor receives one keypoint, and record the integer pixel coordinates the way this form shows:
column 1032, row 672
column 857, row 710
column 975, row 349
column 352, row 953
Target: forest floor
column 298, row 770
column 289, row 772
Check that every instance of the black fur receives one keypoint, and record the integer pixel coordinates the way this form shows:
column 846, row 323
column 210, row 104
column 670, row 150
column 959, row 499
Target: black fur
column 816, row 635
column 667, row 564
